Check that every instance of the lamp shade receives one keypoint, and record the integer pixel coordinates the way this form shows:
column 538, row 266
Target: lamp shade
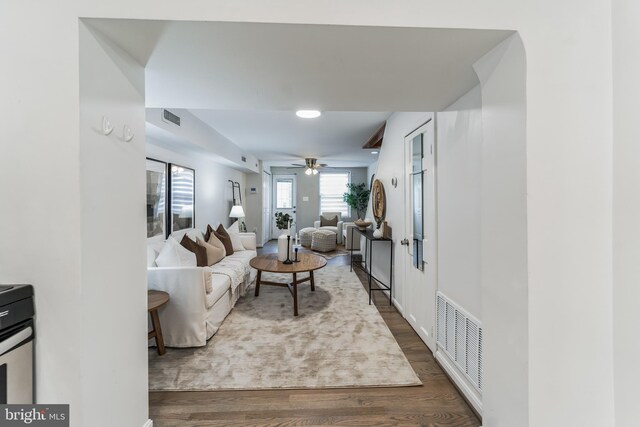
column 236, row 212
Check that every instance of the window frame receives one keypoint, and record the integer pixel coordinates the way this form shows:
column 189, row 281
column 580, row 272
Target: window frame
column 348, row 174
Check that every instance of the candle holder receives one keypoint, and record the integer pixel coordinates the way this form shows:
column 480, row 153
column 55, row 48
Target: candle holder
column 296, row 255
column 288, row 260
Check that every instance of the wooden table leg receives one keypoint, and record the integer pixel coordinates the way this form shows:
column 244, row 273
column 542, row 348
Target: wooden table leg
column 157, row 331
column 258, row 282
column 313, row 283
column 294, row 285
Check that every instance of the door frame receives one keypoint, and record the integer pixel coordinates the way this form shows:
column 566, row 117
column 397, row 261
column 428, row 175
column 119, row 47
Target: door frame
column 266, row 208
column 274, row 191
column 430, row 221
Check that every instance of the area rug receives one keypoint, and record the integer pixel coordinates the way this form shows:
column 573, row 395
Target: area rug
column 337, row 341
column 340, row 251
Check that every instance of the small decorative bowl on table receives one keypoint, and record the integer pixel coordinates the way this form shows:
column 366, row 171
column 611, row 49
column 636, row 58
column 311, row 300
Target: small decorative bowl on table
column 362, row 224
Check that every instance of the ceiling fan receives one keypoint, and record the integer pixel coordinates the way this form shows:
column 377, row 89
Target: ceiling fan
column 312, row 166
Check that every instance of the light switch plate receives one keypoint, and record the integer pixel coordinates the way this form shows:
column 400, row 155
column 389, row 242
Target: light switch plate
column 305, row 198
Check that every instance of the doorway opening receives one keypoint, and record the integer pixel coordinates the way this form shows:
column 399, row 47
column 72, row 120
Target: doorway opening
column 347, row 86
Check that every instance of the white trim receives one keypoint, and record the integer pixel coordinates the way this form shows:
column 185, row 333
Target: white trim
column 461, row 381
column 397, row 304
column 149, row 423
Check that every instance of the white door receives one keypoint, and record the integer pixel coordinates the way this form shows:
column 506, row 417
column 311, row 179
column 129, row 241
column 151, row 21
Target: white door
column 284, row 200
column 266, row 207
column 421, row 232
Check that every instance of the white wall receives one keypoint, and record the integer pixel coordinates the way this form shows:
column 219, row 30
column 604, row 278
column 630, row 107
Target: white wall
column 253, row 204
column 569, row 175
column 503, row 247
column 626, row 209
column 371, row 170
column 214, row 196
column 391, row 165
column 459, row 169
column 113, row 308
column 309, row 186
column 198, row 135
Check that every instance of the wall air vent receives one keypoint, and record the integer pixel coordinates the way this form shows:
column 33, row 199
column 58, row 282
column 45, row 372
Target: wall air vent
column 169, row 117
column 459, row 335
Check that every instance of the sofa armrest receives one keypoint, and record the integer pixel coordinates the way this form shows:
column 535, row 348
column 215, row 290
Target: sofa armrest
column 248, row 241
column 183, row 319
column 339, row 236
column 316, row 224
column 186, row 286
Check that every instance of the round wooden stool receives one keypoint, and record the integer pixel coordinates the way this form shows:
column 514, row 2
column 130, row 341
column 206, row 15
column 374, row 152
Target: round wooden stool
column 155, row 300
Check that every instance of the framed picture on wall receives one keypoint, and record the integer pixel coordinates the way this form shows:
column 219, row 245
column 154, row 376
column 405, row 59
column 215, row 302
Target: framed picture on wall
column 156, row 198
column 182, row 197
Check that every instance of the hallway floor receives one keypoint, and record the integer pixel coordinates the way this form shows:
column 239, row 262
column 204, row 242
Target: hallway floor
column 435, row 403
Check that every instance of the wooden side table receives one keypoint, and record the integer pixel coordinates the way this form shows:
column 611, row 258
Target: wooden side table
column 155, row 300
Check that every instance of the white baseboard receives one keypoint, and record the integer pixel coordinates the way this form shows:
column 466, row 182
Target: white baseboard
column 398, row 306
column 470, row 393
column 149, row 423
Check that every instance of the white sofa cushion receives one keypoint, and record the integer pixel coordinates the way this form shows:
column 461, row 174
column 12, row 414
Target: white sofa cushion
column 154, row 246
column 151, row 256
column 220, row 286
column 233, row 228
column 173, row 254
column 248, row 241
column 234, row 234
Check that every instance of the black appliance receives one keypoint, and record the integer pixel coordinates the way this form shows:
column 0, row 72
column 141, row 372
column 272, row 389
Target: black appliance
column 17, row 333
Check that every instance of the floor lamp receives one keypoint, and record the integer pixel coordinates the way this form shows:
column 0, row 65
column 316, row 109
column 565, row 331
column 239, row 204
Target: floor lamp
column 236, row 210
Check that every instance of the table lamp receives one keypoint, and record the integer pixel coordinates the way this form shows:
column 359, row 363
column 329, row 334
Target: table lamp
column 238, row 213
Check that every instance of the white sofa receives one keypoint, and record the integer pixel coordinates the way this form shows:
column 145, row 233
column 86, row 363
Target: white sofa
column 337, row 229
column 193, row 315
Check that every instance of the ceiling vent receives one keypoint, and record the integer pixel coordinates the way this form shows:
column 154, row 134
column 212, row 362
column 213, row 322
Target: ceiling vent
column 169, row 117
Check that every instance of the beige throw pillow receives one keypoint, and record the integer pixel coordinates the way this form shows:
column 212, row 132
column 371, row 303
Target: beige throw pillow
column 215, row 253
column 329, row 222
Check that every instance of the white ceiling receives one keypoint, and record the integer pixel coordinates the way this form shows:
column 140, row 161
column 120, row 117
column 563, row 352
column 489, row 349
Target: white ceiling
column 282, row 138
column 252, row 76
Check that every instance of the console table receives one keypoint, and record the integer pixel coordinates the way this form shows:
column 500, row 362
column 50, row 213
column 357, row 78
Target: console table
column 366, row 265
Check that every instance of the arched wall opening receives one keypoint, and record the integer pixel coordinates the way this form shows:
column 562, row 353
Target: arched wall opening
column 117, row 85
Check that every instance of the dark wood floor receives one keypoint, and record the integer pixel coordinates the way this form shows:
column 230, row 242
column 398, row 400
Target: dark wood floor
column 435, row 403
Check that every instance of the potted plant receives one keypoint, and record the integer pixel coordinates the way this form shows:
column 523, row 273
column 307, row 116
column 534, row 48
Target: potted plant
column 282, row 220
column 357, row 197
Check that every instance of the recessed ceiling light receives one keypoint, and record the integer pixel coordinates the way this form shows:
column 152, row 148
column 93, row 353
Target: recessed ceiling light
column 374, row 152
column 308, row 114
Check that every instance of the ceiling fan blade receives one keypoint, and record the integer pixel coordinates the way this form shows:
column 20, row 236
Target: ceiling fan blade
column 324, row 165
column 299, row 165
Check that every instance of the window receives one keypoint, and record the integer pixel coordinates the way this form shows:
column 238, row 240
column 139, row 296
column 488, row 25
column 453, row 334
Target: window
column 182, row 195
column 333, row 185
column 284, row 194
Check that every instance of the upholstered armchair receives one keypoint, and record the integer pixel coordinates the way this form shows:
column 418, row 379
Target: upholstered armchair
column 347, row 234
column 327, row 221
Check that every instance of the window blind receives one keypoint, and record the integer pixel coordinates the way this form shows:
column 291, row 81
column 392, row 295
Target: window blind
column 333, row 185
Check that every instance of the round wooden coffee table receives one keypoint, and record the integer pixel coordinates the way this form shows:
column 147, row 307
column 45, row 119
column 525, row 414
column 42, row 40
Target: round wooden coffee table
column 307, row 263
